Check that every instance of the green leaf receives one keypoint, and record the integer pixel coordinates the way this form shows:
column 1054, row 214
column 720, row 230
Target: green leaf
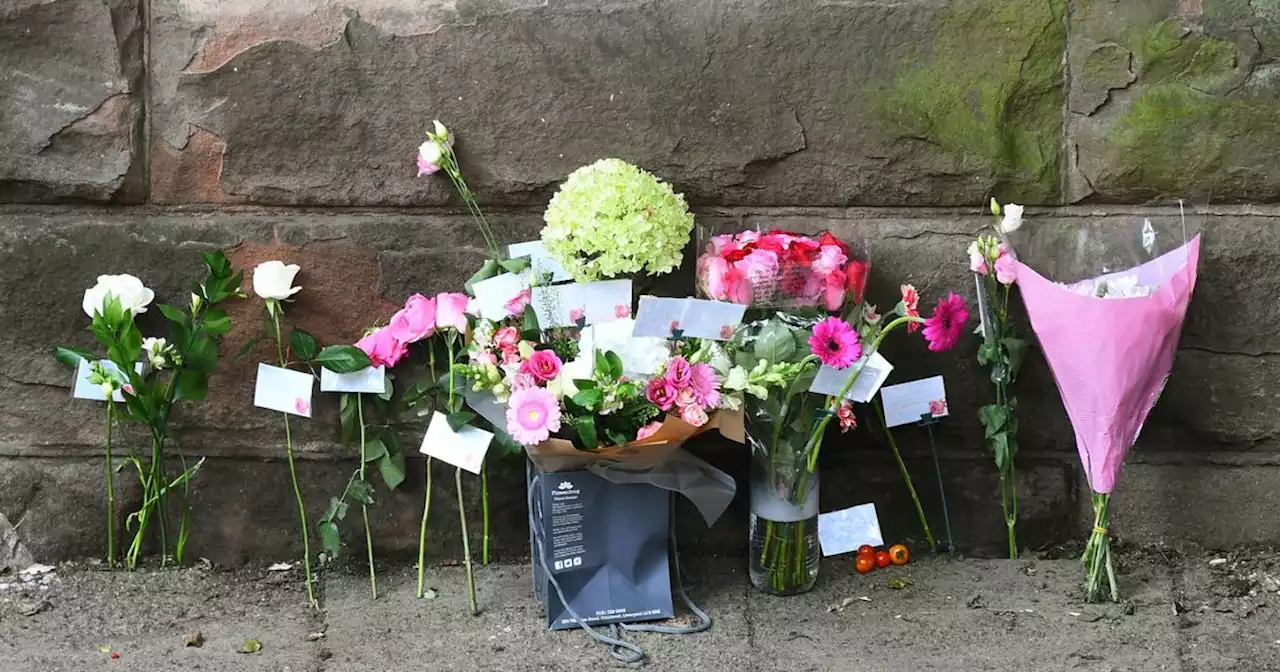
column 508, row 445
column 530, row 321
column 587, row 431
column 988, row 353
column 303, row 344
column 342, row 358
column 994, row 418
column 202, row 356
column 192, row 385
column 361, row 491
column 615, row 364
column 585, row 384
column 175, row 315
column 589, row 399
column 1000, row 447
column 774, row 343
column 72, row 356
column 251, row 646
column 337, row 510
column 374, row 448
column 391, row 466
column 217, row 322
column 615, row 437
column 388, row 388
column 488, row 270
column 348, row 417
column 515, row 265
column 330, row 540
column 244, row 351
column 1017, row 349
column 459, row 419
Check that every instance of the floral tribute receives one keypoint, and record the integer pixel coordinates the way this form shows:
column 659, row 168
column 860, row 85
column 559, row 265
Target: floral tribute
column 781, row 269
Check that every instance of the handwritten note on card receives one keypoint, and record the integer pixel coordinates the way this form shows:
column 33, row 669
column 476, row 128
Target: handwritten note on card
column 464, row 448
column 283, row 390
column 661, row 317
column 540, row 261
column 845, row 530
column 875, row 369
column 905, row 403
column 594, row 302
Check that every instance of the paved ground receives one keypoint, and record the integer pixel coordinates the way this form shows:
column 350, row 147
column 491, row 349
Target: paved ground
column 1183, row 614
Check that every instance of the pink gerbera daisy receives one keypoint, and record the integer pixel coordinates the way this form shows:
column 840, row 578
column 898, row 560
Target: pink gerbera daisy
column 532, row 414
column 943, row 329
column 835, row 343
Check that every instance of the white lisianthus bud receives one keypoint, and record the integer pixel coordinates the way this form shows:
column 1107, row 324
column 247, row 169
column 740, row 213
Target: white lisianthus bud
column 107, row 389
column 995, row 207
column 195, row 302
column 441, row 131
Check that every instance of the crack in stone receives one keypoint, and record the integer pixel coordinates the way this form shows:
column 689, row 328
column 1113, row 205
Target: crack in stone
column 1229, row 353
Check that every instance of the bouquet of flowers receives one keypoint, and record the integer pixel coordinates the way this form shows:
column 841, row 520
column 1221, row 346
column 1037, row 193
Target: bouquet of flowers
column 1110, row 340
column 780, row 269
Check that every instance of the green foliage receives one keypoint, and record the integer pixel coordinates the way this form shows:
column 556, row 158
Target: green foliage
column 343, row 358
column 303, row 345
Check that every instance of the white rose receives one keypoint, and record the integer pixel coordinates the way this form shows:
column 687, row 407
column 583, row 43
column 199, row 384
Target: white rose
column 132, row 294
column 272, row 280
column 1012, row 218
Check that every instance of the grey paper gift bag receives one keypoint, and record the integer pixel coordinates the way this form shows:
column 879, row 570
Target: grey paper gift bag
column 606, row 546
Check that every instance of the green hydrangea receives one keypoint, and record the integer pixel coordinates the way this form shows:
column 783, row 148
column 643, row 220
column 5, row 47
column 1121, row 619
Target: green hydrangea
column 611, row 218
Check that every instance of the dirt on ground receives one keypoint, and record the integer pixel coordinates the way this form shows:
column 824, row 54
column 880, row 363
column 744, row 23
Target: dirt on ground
column 1192, row 611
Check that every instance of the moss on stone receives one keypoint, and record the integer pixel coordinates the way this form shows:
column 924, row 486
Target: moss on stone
column 990, row 92
column 1169, row 52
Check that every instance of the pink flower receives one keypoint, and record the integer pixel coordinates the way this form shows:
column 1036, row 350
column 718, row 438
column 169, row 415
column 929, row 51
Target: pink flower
column 532, row 414
column 543, row 365
column 686, row 397
column 302, row 406
column 712, row 271
column 705, row 385
column 648, row 430
column 845, row 414
column 661, row 393
column 977, row 261
column 738, row 288
column 938, row 407
column 621, row 311
column 1005, row 268
column 760, row 267
column 451, row 311
column 911, row 303
column 416, row 321
column 694, row 415
column 943, row 329
column 576, row 315
column 835, row 343
column 748, row 237
column 679, row 372
column 516, row 305
column 834, row 293
column 383, row 348
column 484, row 358
column 726, row 331
column 523, row 380
column 425, row 167
column 830, row 258
column 506, row 337
column 128, row 389
column 510, row 355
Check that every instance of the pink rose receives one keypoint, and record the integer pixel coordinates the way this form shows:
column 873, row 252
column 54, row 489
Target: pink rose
column 451, row 311
column 510, row 355
column 686, row 397
column 719, row 243
column 506, row 337
column 834, row 293
column 830, row 258
column 712, row 272
column 662, row 393
column 679, row 372
column 523, row 381
column 739, row 288
column 648, row 430
column 1006, row 272
column 515, row 307
column 694, row 415
column 416, row 321
column 760, row 267
column 748, row 237
column 383, row 348
column 543, row 365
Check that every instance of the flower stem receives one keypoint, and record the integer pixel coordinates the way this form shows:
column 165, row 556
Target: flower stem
column 906, row 475
column 364, row 508
column 426, row 497
column 466, row 545
column 484, row 501
column 274, row 310
column 111, row 490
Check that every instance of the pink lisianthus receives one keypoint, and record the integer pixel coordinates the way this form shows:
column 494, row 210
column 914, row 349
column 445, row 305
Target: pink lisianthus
column 911, row 303
column 532, row 415
column 543, row 365
column 516, row 305
column 679, row 372
column 451, row 311
column 977, row 260
column 694, row 415
column 943, row 329
column 416, row 321
column 845, row 414
column 648, row 430
column 383, row 348
column 705, row 385
column 506, row 337
column 1006, row 271
column 835, row 343
column 661, row 393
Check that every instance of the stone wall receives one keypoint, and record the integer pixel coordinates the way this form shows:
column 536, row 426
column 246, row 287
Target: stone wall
column 136, row 134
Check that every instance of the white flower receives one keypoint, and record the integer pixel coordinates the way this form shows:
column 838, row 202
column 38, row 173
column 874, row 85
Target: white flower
column 579, row 369
column 429, row 152
column 158, row 352
column 1012, row 218
column 132, row 294
column 641, row 355
column 272, row 280
column 441, row 131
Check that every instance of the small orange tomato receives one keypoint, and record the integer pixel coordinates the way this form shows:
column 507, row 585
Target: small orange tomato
column 882, row 559
column 866, row 549
column 899, row 554
column 865, row 563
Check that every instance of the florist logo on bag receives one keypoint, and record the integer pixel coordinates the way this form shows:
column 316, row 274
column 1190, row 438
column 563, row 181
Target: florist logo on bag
column 566, row 485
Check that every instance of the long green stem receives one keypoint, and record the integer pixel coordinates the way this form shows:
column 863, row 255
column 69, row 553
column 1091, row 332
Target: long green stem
column 426, row 497
column 906, row 475
column 274, row 309
column 364, row 508
column 466, row 545
column 484, row 503
column 111, row 490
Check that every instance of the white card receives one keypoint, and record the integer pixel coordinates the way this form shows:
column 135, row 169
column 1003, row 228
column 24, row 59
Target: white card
column 830, row 381
column 283, row 390
column 369, row 380
column 563, row 305
column 492, row 295
column 607, row 301
column 83, row 389
column 541, row 262
column 905, row 403
column 845, row 530
column 659, row 316
column 464, row 449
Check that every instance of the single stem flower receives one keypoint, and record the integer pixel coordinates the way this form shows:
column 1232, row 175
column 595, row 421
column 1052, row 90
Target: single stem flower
column 835, row 343
column 944, row 327
column 364, row 508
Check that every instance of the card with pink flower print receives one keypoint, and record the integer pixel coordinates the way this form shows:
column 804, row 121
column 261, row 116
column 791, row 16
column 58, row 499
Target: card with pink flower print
column 906, row 403
column 464, row 448
column 283, row 390
column 662, row 317
column 593, row 302
column 494, row 295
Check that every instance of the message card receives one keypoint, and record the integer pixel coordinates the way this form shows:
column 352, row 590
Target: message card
column 465, row 448
column 369, row 380
column 283, row 390
column 493, row 295
column 875, row 370
column 83, row 389
column 845, row 530
column 540, row 261
column 660, row 317
column 905, row 403
column 564, row 305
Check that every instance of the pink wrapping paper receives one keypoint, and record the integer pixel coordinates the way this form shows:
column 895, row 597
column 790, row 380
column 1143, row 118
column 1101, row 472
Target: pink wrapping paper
column 1111, row 357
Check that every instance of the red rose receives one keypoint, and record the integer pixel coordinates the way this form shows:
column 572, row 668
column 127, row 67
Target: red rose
column 828, row 239
column 856, row 282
